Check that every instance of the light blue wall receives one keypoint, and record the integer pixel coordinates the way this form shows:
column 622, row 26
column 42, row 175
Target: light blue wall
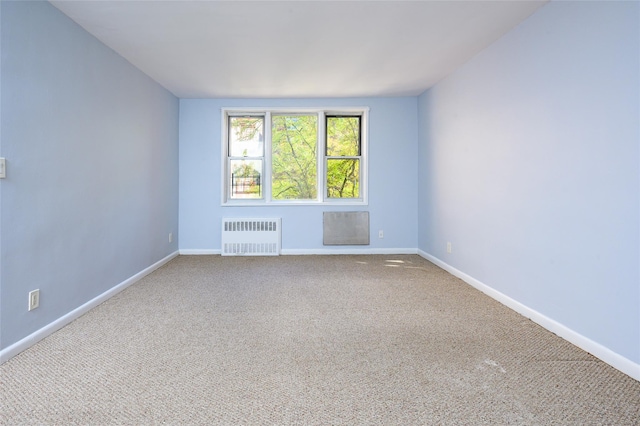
column 92, row 156
column 528, row 161
column 529, row 165
column 392, row 176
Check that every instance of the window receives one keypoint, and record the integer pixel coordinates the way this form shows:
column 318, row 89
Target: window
column 303, row 156
column 294, row 164
column 246, row 157
column 343, row 156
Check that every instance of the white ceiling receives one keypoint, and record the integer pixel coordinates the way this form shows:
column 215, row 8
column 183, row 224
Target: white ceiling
column 255, row 49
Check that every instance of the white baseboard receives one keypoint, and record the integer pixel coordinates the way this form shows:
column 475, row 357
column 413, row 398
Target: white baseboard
column 605, row 354
column 13, row 350
column 199, row 252
column 336, row 250
column 322, row 251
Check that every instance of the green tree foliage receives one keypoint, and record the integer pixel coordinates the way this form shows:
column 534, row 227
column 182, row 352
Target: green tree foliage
column 343, row 178
column 343, row 140
column 294, row 144
column 246, row 136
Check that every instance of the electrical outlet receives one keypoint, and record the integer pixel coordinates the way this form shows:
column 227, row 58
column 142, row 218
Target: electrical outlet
column 3, row 168
column 34, row 299
column 170, row 237
column 381, row 234
column 448, row 247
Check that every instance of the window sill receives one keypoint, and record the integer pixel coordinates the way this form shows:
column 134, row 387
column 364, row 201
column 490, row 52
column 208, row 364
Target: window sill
column 294, row 203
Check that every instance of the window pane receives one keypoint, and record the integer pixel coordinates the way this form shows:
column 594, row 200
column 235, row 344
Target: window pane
column 294, row 163
column 343, row 136
column 343, row 178
column 246, row 136
column 246, row 179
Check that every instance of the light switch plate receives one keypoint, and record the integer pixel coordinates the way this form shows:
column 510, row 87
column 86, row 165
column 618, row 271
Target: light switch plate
column 3, row 168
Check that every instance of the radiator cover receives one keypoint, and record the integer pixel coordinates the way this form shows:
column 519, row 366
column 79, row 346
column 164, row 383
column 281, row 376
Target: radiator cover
column 251, row 236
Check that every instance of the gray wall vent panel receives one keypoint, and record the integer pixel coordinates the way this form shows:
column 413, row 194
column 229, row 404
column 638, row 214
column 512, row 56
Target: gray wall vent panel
column 345, row 228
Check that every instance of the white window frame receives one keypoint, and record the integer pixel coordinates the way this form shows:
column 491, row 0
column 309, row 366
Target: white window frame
column 321, row 199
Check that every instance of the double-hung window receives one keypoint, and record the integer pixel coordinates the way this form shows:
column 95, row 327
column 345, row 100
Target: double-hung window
column 246, row 157
column 302, row 156
column 343, row 155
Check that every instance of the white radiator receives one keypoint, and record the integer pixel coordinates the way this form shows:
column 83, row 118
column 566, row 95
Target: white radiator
column 251, row 237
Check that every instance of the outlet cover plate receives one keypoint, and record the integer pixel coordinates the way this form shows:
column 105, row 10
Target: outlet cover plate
column 34, row 299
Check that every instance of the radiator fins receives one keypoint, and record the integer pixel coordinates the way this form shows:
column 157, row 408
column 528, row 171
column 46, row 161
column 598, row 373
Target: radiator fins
column 251, row 237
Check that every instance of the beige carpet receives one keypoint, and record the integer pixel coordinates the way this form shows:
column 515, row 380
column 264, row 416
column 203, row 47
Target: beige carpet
column 309, row 340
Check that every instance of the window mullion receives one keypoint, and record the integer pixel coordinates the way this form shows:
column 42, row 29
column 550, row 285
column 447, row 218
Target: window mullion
column 267, row 157
column 321, row 150
column 226, row 165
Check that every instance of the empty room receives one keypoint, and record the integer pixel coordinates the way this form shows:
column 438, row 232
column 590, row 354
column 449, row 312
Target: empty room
column 320, row 212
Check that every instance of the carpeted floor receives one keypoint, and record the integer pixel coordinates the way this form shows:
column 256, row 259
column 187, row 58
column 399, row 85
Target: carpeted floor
column 309, row 340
